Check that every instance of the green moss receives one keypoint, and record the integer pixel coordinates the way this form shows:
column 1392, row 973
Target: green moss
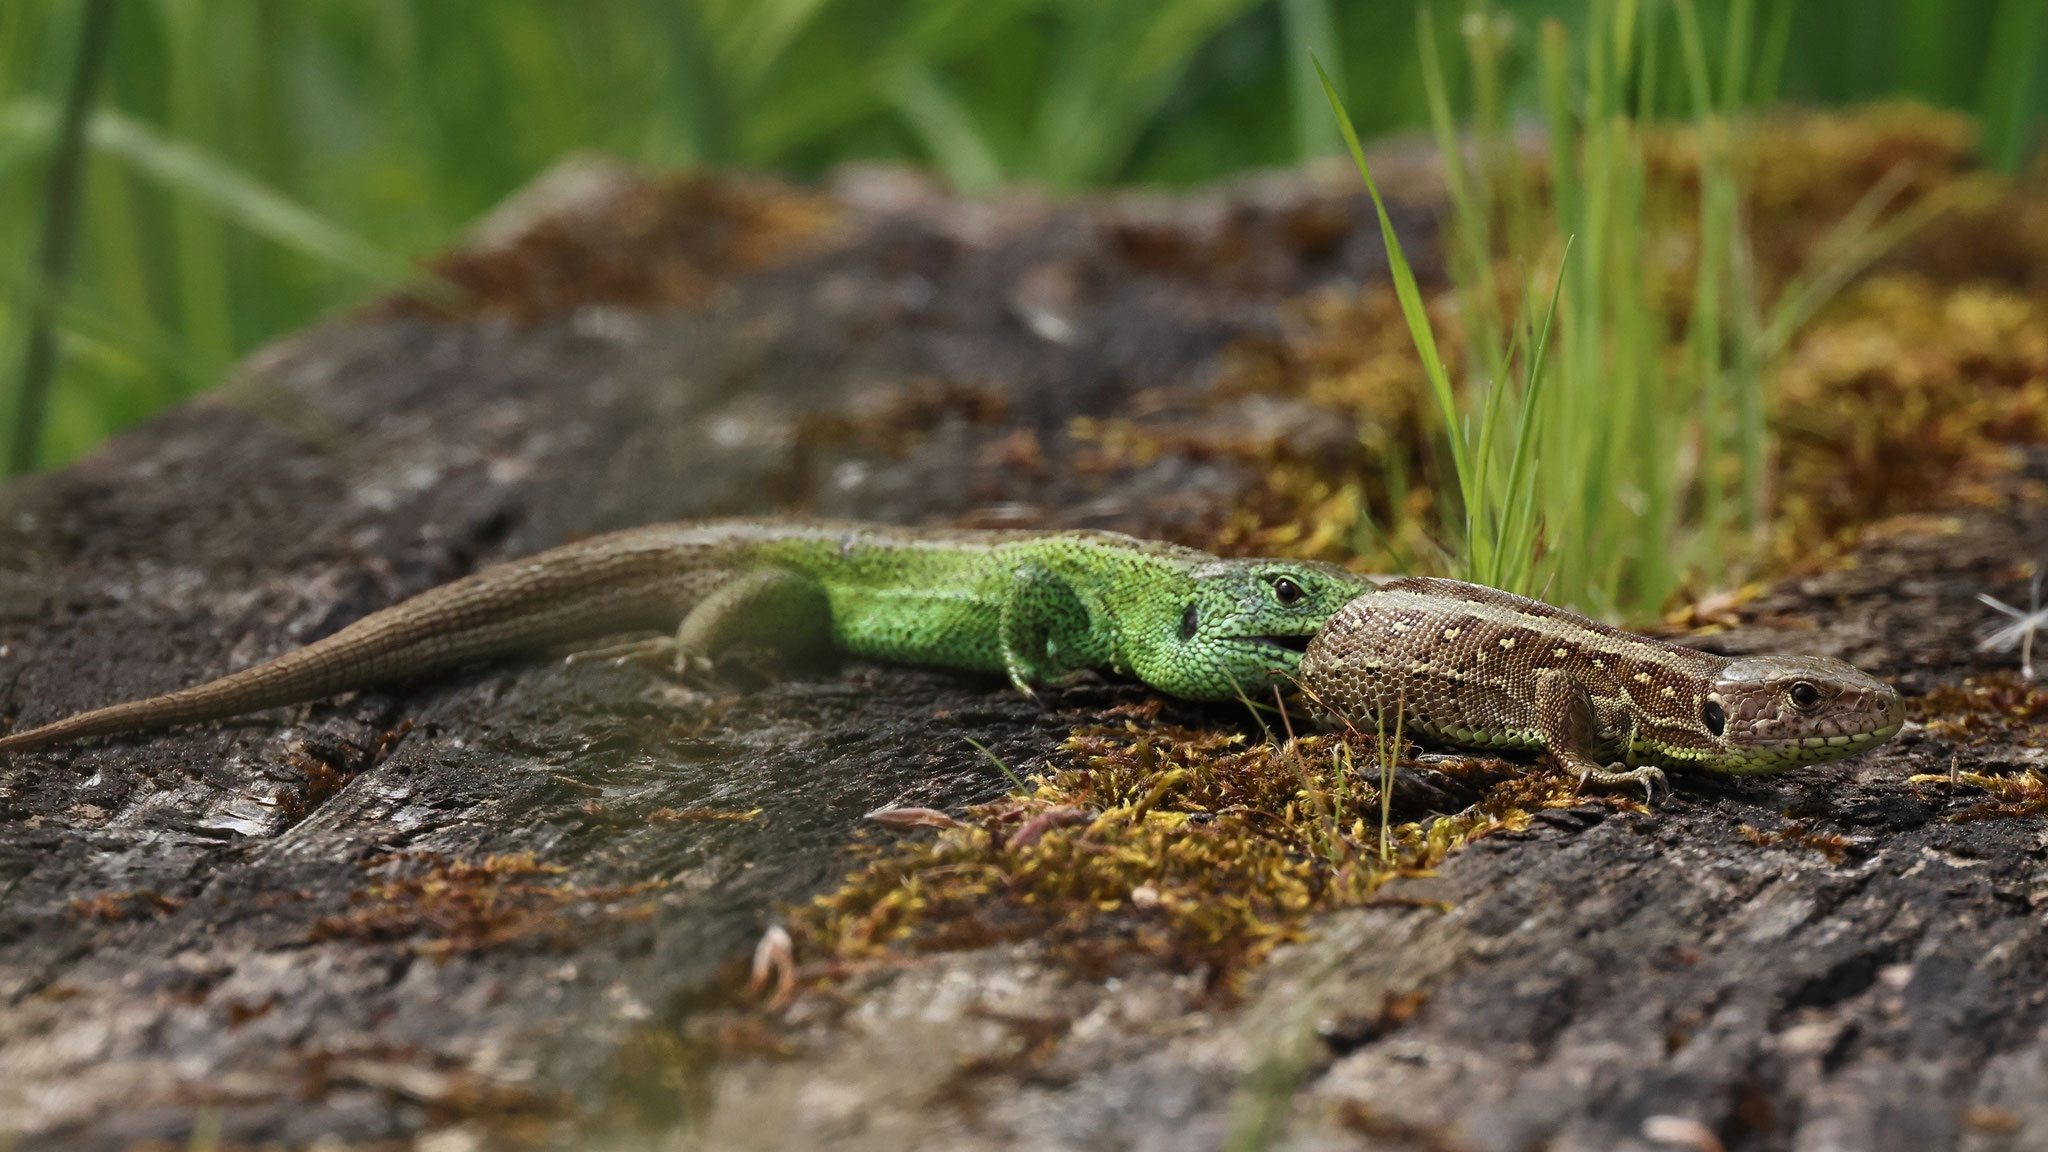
column 1149, row 841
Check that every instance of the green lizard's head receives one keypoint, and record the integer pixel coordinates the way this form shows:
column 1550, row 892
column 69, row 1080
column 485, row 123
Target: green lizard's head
column 1774, row 712
column 1243, row 626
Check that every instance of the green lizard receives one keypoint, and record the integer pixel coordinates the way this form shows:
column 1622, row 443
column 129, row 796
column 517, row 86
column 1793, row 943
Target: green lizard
column 1036, row 606
column 1475, row 667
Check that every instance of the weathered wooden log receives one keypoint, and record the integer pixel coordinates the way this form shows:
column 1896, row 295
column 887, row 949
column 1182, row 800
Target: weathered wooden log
column 491, row 906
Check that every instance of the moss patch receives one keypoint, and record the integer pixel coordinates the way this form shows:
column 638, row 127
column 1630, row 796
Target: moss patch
column 442, row 906
column 2001, row 708
column 1152, row 841
column 647, row 243
column 1998, row 707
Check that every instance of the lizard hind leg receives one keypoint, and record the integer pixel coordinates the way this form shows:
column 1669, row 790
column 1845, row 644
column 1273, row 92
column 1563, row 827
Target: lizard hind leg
column 777, row 609
column 1573, row 736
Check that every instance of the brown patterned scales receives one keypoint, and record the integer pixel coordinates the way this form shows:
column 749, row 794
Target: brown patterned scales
column 1475, row 667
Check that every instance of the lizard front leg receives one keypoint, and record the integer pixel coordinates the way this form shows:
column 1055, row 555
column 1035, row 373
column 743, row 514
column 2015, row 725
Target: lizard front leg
column 1572, row 734
column 1043, row 629
column 776, row 608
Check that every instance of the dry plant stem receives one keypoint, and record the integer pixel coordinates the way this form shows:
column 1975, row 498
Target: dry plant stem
column 1389, row 757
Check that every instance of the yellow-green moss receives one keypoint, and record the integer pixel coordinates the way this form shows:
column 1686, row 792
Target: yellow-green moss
column 1152, row 840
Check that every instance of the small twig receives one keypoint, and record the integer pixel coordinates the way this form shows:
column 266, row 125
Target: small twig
column 1286, row 723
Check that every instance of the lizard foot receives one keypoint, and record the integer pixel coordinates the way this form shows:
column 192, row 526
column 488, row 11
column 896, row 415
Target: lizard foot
column 1020, row 679
column 653, row 650
column 1616, row 775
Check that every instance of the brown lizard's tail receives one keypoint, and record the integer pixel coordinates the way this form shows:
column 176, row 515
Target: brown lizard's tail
column 282, row 681
column 639, row 579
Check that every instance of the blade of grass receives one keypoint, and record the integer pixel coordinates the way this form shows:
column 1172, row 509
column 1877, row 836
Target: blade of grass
column 1310, row 31
column 1412, row 310
column 243, row 199
column 1770, row 70
column 199, row 242
column 944, row 125
column 1470, row 210
column 1694, row 53
column 60, row 210
column 1116, row 67
column 1735, row 55
column 235, row 194
column 1855, row 242
column 1525, row 431
column 1555, row 59
column 1486, row 528
column 2008, row 100
column 134, row 336
column 1015, row 780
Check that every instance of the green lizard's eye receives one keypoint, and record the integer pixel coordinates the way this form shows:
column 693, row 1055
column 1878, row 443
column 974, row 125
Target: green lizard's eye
column 1287, row 592
column 1805, row 695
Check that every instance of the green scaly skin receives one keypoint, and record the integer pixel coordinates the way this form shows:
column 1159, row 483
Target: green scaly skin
column 1475, row 667
column 1035, row 606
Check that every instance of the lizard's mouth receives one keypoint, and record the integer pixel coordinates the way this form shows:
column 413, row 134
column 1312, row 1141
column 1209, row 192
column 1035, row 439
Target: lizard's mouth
column 1295, row 644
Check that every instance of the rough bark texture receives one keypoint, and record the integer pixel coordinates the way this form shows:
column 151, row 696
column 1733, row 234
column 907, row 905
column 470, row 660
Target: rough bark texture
column 1883, row 990
column 320, row 924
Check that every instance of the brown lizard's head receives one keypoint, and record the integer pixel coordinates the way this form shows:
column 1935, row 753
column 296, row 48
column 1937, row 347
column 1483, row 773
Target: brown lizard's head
column 1770, row 713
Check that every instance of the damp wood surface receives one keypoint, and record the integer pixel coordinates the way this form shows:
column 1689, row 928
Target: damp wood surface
column 512, row 906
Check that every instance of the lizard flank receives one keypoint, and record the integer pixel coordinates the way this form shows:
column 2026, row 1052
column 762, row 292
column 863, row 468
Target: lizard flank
column 1035, row 606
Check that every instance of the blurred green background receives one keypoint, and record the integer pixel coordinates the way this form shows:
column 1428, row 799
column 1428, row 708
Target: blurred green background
column 253, row 164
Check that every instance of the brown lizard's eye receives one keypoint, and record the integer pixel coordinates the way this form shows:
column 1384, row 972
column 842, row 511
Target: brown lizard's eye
column 1805, row 695
column 1287, row 592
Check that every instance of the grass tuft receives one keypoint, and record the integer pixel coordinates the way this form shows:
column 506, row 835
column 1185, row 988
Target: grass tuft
column 1634, row 467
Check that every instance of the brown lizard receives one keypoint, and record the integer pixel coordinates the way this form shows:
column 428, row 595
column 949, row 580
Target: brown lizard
column 1475, row 667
